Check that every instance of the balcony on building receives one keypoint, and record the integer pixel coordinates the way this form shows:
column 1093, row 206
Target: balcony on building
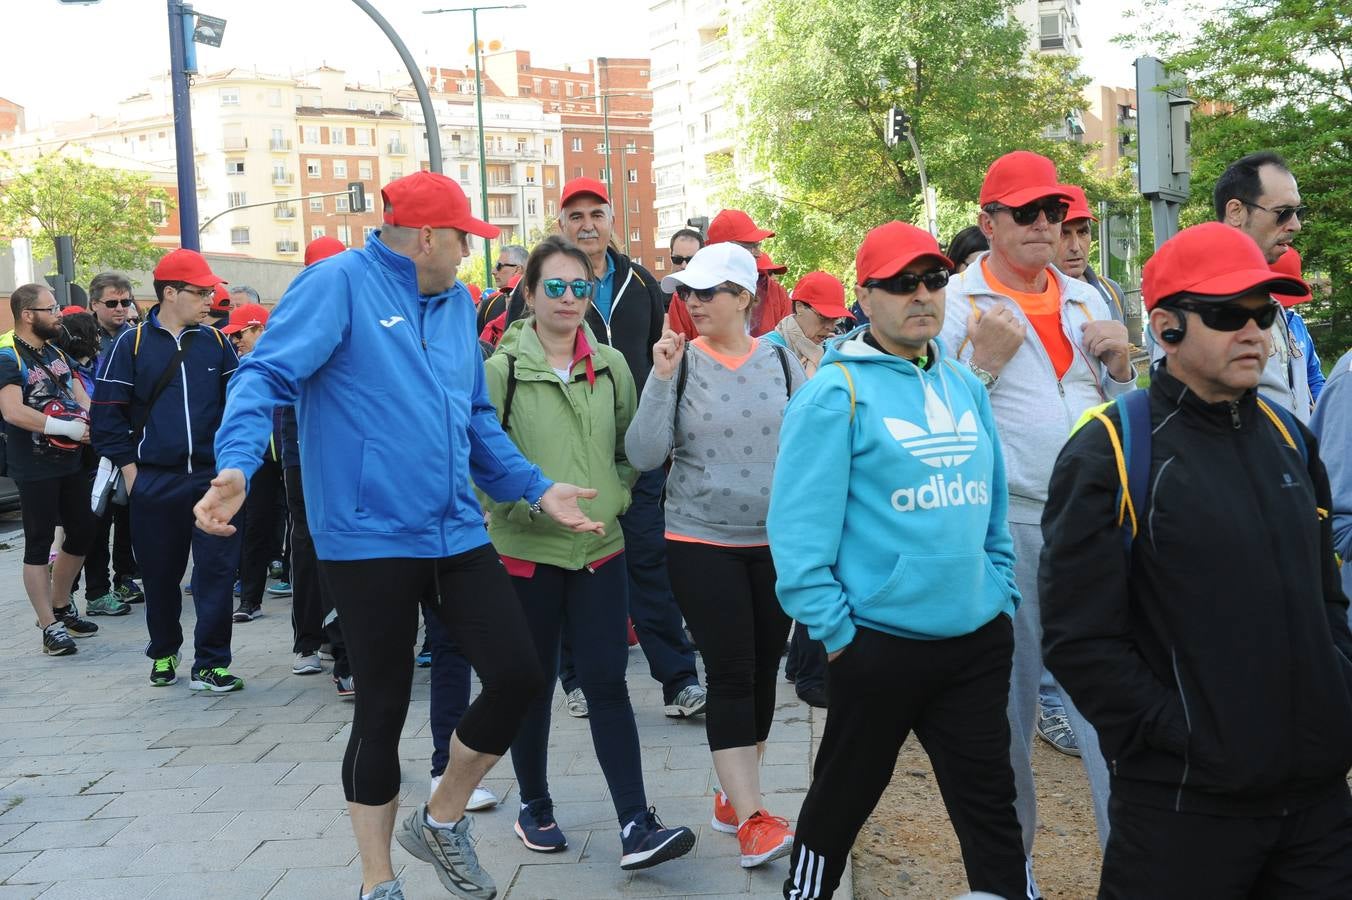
column 284, row 212
column 288, row 247
column 279, row 145
column 283, row 178
column 234, row 142
column 396, row 148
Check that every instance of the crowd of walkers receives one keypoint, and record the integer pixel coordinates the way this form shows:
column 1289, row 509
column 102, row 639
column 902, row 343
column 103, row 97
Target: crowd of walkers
column 948, row 487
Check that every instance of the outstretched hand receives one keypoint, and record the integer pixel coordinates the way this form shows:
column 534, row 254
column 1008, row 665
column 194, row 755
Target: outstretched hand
column 221, row 503
column 560, row 504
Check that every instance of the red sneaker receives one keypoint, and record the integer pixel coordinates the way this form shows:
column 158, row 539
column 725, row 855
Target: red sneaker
column 764, row 837
column 725, row 817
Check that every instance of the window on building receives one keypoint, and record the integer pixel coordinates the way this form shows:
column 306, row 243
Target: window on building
column 345, row 235
column 239, row 235
column 311, row 134
column 708, row 122
column 364, row 169
column 157, row 212
column 234, row 167
column 464, row 172
column 530, row 174
column 520, row 145
column 549, row 178
column 351, row 104
column 530, row 207
column 551, row 209
column 314, row 168
column 274, row 97
column 549, row 146
column 631, row 147
column 1053, row 36
column 633, row 176
column 577, row 173
column 317, row 204
column 396, row 172
column 229, row 96
column 367, row 232
column 577, row 145
column 337, row 135
column 553, row 89
column 661, row 263
column 235, row 198
column 635, row 236
column 633, row 205
column 363, row 137
column 341, row 204
column 317, row 232
column 340, row 168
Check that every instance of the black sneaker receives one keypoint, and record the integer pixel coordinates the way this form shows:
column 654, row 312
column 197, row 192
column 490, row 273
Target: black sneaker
column 247, row 612
column 130, row 591
column 75, row 626
column 164, row 671
column 56, row 641
column 217, row 680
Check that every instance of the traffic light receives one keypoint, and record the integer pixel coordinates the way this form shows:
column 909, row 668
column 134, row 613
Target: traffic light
column 898, row 126
column 357, row 190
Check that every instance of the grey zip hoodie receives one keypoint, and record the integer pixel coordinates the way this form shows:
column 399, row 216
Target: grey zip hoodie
column 1033, row 410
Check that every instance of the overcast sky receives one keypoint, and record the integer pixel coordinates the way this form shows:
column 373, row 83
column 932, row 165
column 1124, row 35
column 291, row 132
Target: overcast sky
column 64, row 61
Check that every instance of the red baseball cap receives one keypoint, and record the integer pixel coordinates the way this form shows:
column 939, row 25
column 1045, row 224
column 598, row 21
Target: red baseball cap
column 1079, row 204
column 431, row 199
column 189, row 267
column 1212, row 261
column 245, row 315
column 735, row 225
column 322, row 248
column 73, row 309
column 1289, row 263
column 889, row 248
column 579, row 186
column 767, row 265
column 823, row 292
column 220, row 300
column 1021, row 177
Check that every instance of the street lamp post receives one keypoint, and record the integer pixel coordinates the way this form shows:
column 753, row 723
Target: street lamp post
column 479, row 110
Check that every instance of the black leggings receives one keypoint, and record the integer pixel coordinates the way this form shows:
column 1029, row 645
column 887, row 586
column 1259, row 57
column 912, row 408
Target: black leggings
column 49, row 502
column 377, row 602
column 727, row 595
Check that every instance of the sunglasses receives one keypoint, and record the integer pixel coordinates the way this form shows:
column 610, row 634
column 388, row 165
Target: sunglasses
column 1283, row 213
column 114, row 304
column 678, row 260
column 704, row 295
column 1231, row 316
column 1055, row 210
column 908, row 283
column 554, row 288
column 502, row 265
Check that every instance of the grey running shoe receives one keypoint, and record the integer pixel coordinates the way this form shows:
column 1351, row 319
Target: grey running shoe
column 386, row 890
column 450, row 851
column 306, row 664
column 1055, row 729
column 577, row 704
column 689, row 702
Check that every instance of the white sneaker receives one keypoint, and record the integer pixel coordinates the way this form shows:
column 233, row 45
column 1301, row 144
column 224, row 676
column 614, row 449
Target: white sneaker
column 576, row 702
column 480, row 798
column 307, row 664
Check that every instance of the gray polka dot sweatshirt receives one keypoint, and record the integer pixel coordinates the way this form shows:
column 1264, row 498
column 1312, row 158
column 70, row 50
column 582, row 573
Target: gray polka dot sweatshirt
column 722, row 438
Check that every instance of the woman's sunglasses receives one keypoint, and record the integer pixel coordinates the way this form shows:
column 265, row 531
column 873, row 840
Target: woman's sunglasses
column 554, row 288
column 908, row 283
column 704, row 295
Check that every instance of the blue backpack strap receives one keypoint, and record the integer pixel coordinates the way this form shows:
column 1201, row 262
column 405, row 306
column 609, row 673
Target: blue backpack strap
column 1133, row 410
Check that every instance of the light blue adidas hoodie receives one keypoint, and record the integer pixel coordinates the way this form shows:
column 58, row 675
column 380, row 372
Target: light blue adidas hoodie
column 890, row 515
column 394, row 415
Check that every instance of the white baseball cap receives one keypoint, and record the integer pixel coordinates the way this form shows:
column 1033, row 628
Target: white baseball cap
column 714, row 264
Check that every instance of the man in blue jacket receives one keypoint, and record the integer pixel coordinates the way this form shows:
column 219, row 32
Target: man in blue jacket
column 394, row 423
column 163, row 444
column 888, row 529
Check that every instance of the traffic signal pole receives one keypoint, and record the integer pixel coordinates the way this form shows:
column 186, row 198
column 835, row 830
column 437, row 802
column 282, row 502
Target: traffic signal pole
column 186, row 163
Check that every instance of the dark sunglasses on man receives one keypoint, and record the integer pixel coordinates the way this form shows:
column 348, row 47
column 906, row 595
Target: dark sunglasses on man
column 499, row 266
column 114, row 304
column 1283, row 213
column 1230, row 316
column 1054, row 207
column 678, row 260
column 908, row 282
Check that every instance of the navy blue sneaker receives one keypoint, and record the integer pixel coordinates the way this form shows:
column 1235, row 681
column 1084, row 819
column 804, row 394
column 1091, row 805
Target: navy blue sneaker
column 646, row 842
column 537, row 829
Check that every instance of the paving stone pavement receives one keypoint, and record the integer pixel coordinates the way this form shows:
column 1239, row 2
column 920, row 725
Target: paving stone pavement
column 110, row 788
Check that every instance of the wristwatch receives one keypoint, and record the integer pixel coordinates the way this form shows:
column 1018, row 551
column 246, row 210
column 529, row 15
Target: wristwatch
column 986, row 378
column 537, row 506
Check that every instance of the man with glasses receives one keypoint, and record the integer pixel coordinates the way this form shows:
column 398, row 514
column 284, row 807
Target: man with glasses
column 511, row 264
column 110, row 299
column 684, row 244
column 1046, row 347
column 160, row 431
column 1213, row 655
column 1258, row 195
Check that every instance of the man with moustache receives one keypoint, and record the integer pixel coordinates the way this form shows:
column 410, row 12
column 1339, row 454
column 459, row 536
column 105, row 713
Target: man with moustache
column 628, row 314
column 1046, row 348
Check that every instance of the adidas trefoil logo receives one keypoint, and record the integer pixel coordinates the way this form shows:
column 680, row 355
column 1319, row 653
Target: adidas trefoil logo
column 946, row 443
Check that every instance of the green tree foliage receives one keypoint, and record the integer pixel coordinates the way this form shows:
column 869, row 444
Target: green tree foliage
column 812, row 99
column 1280, row 72
column 106, row 212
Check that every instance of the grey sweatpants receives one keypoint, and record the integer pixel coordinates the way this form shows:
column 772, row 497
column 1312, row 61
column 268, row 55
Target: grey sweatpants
column 1023, row 694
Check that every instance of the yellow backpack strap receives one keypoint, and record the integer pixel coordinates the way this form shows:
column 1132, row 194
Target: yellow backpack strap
column 966, row 339
column 849, row 382
column 1126, row 510
column 136, row 345
column 1278, row 424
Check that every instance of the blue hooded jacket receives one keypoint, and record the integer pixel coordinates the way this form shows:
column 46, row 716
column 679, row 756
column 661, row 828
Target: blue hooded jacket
column 393, row 413
column 889, row 503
